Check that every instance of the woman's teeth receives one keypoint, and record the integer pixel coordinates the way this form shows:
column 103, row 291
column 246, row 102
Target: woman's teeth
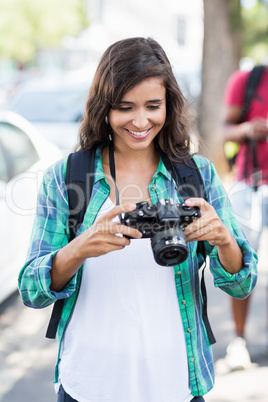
column 138, row 133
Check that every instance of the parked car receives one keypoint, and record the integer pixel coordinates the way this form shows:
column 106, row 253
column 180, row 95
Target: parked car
column 24, row 155
column 54, row 105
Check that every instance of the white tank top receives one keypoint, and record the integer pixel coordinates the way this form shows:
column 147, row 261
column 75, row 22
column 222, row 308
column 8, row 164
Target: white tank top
column 125, row 340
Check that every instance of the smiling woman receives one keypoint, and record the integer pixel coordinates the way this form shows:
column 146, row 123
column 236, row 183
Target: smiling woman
column 119, row 71
column 139, row 118
column 131, row 329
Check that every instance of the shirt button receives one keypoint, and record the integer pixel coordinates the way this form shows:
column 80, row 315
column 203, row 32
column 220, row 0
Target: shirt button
column 192, row 360
column 189, row 330
column 184, row 302
column 153, row 188
column 178, row 273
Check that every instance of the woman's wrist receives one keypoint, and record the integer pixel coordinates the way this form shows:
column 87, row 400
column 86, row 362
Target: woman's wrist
column 230, row 256
column 64, row 265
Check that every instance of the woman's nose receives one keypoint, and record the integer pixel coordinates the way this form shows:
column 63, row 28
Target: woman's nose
column 140, row 120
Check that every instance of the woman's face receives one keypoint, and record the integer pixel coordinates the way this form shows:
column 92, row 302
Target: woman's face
column 140, row 115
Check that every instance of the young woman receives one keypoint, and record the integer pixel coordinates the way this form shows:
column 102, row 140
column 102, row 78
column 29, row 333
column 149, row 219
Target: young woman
column 132, row 330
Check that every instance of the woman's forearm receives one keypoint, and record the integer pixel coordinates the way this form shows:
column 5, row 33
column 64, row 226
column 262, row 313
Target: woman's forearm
column 230, row 256
column 65, row 264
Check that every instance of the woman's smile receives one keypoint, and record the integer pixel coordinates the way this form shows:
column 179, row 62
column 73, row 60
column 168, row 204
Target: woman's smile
column 140, row 115
column 139, row 134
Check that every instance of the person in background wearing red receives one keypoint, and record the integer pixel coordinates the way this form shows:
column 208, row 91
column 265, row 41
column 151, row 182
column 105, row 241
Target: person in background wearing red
column 249, row 194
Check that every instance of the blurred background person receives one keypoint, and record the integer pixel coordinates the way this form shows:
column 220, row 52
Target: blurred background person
column 244, row 123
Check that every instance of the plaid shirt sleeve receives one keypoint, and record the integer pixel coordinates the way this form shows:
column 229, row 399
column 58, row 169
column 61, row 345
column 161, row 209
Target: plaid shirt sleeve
column 238, row 285
column 49, row 235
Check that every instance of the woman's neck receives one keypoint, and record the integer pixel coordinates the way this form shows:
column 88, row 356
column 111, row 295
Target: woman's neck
column 134, row 172
column 130, row 157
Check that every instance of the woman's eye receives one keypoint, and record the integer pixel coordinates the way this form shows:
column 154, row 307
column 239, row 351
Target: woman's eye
column 123, row 109
column 153, row 107
column 127, row 108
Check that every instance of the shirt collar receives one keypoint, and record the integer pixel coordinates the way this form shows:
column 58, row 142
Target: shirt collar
column 99, row 173
column 163, row 170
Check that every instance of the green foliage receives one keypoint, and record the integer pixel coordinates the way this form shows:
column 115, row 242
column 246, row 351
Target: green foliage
column 28, row 25
column 255, row 31
column 235, row 15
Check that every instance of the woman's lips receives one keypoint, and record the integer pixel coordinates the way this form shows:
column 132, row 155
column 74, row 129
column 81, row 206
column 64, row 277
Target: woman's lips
column 139, row 134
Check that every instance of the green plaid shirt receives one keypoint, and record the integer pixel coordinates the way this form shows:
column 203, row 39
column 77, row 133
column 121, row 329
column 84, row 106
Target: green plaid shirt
column 50, row 233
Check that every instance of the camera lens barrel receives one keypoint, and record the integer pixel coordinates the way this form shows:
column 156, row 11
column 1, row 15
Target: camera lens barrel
column 164, row 223
column 169, row 247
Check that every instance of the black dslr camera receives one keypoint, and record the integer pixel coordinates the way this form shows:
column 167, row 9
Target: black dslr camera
column 164, row 223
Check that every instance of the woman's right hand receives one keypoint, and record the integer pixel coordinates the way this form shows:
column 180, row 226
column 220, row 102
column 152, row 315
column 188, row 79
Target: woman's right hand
column 101, row 238
column 105, row 235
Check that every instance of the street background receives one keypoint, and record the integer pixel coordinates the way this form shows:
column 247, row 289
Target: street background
column 27, row 357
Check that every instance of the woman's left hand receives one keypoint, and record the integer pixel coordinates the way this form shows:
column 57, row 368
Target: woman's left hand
column 208, row 227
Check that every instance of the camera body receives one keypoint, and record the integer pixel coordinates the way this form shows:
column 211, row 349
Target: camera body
column 164, row 224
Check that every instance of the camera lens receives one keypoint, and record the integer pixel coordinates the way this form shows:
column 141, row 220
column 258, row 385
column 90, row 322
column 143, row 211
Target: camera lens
column 168, row 255
column 169, row 247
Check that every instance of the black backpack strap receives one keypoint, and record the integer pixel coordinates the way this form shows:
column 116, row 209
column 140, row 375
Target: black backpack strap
column 79, row 182
column 211, row 336
column 54, row 319
column 251, row 88
column 190, row 180
column 251, row 146
column 190, row 183
column 187, row 176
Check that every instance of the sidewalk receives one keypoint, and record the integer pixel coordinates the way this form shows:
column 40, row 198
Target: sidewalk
column 243, row 385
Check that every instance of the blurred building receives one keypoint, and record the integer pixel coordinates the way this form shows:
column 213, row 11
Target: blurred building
column 176, row 25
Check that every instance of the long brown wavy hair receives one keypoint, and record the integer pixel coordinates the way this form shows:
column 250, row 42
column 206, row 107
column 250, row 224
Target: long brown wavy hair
column 123, row 65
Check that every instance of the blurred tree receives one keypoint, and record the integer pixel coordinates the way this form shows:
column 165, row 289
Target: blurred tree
column 255, row 30
column 232, row 29
column 221, row 55
column 29, row 25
